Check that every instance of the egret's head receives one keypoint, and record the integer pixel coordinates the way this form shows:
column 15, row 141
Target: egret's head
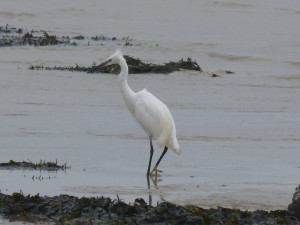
column 113, row 59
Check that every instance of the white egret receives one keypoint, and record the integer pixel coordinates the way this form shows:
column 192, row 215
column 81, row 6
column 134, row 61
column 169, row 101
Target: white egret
column 153, row 115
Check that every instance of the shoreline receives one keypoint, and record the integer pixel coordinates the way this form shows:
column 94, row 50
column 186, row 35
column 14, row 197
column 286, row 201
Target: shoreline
column 67, row 209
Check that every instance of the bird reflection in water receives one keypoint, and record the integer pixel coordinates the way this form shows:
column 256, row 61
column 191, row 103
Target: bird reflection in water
column 154, row 179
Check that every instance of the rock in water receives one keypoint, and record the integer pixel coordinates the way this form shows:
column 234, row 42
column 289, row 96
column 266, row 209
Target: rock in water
column 294, row 207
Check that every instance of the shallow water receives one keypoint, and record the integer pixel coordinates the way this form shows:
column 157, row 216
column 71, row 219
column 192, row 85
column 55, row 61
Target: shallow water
column 239, row 134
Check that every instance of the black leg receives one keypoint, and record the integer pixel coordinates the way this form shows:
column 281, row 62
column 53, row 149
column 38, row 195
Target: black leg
column 151, row 154
column 160, row 158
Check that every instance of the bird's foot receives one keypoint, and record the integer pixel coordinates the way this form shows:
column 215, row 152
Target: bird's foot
column 155, row 171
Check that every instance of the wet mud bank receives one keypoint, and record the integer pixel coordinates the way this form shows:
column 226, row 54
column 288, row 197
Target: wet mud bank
column 66, row 209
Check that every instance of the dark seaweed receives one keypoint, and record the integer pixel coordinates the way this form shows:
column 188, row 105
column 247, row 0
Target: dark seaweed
column 136, row 66
column 12, row 36
column 65, row 209
column 294, row 207
column 42, row 165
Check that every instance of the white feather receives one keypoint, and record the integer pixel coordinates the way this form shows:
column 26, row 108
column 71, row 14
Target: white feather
column 152, row 114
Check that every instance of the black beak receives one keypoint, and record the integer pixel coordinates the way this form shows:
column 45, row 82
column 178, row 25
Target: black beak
column 95, row 68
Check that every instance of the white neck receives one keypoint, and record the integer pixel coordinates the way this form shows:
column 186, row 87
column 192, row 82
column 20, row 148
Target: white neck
column 127, row 92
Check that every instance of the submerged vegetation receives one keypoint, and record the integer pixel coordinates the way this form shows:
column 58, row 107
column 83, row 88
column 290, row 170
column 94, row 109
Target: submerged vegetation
column 42, row 165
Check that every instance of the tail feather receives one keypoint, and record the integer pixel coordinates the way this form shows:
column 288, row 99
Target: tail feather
column 175, row 147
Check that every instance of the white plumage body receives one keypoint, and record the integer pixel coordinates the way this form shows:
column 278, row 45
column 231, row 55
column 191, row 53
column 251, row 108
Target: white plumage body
column 155, row 118
column 153, row 115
